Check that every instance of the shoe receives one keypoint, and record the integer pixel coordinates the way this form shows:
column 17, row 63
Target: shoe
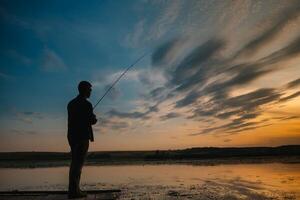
column 79, row 194
column 83, row 193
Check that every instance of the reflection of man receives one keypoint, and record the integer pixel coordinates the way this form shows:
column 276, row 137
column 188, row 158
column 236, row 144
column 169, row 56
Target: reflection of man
column 80, row 121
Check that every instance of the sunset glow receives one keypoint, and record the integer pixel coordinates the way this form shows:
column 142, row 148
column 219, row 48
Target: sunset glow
column 218, row 73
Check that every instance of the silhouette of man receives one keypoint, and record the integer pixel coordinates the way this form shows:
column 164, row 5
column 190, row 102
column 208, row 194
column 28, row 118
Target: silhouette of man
column 80, row 121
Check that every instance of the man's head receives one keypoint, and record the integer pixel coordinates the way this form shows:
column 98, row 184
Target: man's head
column 85, row 88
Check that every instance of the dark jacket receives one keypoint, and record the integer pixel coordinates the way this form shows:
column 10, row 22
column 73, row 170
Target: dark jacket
column 80, row 119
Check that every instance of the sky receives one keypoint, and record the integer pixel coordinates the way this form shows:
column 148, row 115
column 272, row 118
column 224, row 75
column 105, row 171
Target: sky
column 216, row 73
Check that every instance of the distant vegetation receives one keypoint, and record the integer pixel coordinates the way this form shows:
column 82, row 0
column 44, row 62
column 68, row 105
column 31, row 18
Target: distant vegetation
column 46, row 159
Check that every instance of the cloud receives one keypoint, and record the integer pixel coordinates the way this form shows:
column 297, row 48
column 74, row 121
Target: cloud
column 134, row 114
column 246, row 72
column 170, row 115
column 106, row 124
column 170, row 11
column 195, row 79
column 119, row 125
column 143, row 80
column 150, row 78
column 156, row 92
column 247, row 128
column 114, row 92
column 235, row 126
column 161, row 55
column 133, row 39
column 6, row 76
column 147, row 31
column 13, row 19
column 20, row 57
column 21, row 132
column 189, row 99
column 28, row 116
column 236, row 106
column 254, row 99
column 104, row 78
column 293, row 83
column 190, row 70
column 52, row 62
column 192, row 73
column 289, row 118
column 287, row 52
column 32, row 114
column 192, row 63
column 268, row 35
column 214, row 76
column 202, row 72
column 289, row 97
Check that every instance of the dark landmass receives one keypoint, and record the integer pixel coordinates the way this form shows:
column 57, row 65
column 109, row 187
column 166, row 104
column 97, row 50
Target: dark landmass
column 201, row 155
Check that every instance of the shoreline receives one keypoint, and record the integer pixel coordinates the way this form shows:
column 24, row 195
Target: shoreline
column 27, row 164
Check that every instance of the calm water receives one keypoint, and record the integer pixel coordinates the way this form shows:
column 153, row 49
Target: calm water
column 253, row 177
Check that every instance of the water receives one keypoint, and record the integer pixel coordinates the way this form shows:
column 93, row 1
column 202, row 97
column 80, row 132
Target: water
column 276, row 180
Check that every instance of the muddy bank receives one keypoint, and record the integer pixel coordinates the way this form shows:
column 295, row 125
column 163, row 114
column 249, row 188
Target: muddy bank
column 210, row 190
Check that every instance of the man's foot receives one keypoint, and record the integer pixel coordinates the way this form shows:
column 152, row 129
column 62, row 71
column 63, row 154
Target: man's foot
column 76, row 195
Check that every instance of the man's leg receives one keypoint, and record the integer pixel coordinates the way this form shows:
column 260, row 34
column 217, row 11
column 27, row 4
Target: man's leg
column 82, row 152
column 72, row 171
column 79, row 152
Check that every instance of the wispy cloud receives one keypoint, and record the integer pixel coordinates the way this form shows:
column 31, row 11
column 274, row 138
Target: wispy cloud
column 107, row 124
column 270, row 34
column 135, row 114
column 28, row 117
column 147, row 31
column 13, row 19
column 204, row 79
column 52, row 62
column 20, row 57
column 169, row 13
column 6, row 76
column 293, row 84
column 170, row 115
column 217, row 67
column 133, row 39
column 23, row 132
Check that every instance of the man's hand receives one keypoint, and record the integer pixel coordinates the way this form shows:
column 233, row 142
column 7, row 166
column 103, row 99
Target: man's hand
column 93, row 119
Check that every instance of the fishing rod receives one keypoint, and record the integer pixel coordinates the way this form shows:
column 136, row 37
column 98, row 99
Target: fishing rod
column 115, row 82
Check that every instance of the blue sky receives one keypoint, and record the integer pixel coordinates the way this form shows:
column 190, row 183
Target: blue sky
column 218, row 73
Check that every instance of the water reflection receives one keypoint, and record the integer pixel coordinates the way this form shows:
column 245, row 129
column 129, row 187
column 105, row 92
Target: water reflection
column 253, row 181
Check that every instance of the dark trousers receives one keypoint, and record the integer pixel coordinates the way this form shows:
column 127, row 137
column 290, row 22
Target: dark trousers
column 79, row 151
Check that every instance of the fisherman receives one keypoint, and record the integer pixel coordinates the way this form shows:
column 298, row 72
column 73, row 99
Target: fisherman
column 80, row 121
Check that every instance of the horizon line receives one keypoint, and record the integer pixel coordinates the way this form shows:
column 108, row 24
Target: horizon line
column 155, row 149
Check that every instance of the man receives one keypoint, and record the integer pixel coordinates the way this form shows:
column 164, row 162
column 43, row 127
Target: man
column 80, row 121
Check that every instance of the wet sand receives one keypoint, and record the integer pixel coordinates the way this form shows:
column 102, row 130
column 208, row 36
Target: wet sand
column 214, row 190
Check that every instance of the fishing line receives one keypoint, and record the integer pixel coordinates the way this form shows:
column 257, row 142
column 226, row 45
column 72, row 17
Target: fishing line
column 116, row 81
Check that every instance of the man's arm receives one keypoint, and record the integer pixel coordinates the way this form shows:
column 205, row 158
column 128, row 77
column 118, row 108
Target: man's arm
column 93, row 119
